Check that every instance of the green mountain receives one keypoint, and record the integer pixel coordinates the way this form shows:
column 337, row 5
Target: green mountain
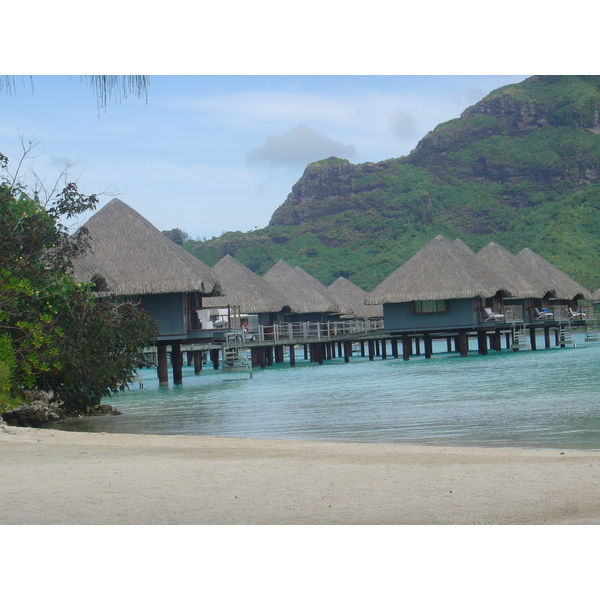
column 521, row 168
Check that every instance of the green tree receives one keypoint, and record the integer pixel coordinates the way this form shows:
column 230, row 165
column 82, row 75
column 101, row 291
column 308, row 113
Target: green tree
column 55, row 334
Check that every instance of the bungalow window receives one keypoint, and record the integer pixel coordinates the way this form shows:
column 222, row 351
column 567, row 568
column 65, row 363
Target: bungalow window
column 429, row 306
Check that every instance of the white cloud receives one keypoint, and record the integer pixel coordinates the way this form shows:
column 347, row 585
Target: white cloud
column 299, row 146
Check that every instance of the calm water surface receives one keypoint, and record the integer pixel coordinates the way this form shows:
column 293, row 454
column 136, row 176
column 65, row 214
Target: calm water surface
column 543, row 399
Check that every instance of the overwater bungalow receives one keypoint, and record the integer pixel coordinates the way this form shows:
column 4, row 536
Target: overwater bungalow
column 344, row 292
column 130, row 258
column 529, row 292
column 441, row 290
column 305, row 298
column 567, row 293
column 259, row 302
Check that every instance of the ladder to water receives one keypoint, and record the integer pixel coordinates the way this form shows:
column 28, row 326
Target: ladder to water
column 233, row 359
column 565, row 336
column 520, row 338
column 591, row 332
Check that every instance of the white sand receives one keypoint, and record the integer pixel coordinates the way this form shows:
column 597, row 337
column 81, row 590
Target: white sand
column 55, row 477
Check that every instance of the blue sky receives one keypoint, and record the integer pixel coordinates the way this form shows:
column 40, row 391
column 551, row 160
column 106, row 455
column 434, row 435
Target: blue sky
column 210, row 154
column 243, row 96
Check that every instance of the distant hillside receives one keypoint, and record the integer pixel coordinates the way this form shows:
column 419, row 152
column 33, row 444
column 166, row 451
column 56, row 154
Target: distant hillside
column 521, row 168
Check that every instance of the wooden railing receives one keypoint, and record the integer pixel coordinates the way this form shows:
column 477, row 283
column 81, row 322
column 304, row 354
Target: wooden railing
column 307, row 330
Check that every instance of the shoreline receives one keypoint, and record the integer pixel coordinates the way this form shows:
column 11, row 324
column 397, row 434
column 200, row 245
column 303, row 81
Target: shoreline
column 50, row 476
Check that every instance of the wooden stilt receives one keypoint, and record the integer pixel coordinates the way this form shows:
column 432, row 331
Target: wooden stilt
column 449, row 344
column 305, row 351
column 383, row 349
column 292, row 356
column 482, row 342
column 214, row 358
column 362, row 348
column 497, row 340
column 278, row 354
column 371, row 349
column 406, row 347
column 197, row 361
column 547, row 336
column 427, row 345
column 162, row 369
column 177, row 363
column 269, row 355
column 255, row 354
column 347, row 351
column 463, row 343
column 532, row 338
column 417, row 345
column 394, row 344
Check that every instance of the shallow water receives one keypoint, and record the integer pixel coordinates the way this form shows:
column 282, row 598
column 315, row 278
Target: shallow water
column 543, row 399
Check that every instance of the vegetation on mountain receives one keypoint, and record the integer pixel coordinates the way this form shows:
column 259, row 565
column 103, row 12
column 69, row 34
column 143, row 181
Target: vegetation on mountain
column 521, row 168
column 55, row 335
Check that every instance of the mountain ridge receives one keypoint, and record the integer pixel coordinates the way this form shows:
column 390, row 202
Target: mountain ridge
column 521, row 167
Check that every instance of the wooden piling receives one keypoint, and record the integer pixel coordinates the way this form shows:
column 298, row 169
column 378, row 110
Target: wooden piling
column 532, row 338
column 214, row 358
column 427, row 345
column 162, row 369
column 197, row 356
column 292, row 356
column 406, row 346
column 177, row 363
column 482, row 342
column 463, row 343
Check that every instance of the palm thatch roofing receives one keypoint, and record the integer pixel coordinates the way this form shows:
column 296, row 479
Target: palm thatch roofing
column 439, row 271
column 596, row 295
column 244, row 288
column 133, row 257
column 302, row 295
column 346, row 292
column 462, row 246
column 523, row 280
column 564, row 287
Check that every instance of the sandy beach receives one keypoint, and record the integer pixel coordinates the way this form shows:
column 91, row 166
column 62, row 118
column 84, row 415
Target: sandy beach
column 55, row 477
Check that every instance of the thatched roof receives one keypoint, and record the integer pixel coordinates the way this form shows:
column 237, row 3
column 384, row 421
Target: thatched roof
column 134, row 257
column 300, row 292
column 596, row 295
column 564, row 287
column 523, row 280
column 462, row 246
column 245, row 289
column 439, row 271
column 345, row 292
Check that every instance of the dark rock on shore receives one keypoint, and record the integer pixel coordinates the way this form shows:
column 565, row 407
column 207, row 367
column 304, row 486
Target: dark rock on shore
column 40, row 408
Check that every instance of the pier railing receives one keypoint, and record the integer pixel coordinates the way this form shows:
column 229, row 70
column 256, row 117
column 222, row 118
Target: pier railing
column 307, row 330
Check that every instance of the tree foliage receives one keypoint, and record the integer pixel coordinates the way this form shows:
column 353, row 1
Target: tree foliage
column 55, row 334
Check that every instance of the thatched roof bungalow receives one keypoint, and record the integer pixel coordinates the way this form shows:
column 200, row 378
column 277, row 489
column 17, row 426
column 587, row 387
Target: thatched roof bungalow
column 441, row 287
column 130, row 257
column 306, row 300
column 564, row 287
column 245, row 289
column 347, row 293
column 528, row 292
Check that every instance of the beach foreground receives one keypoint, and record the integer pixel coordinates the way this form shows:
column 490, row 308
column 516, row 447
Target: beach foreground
column 56, row 477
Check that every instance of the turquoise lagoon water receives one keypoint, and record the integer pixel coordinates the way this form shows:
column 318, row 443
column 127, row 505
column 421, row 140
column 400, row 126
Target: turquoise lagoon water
column 549, row 398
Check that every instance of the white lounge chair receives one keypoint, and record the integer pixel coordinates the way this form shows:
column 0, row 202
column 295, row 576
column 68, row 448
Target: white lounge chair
column 541, row 315
column 490, row 315
column 579, row 314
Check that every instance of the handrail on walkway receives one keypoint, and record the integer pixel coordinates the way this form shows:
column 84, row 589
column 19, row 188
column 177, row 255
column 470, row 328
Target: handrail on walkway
column 305, row 330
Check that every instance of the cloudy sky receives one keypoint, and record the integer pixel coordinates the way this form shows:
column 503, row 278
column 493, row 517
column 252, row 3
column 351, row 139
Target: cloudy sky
column 242, row 96
column 210, row 154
